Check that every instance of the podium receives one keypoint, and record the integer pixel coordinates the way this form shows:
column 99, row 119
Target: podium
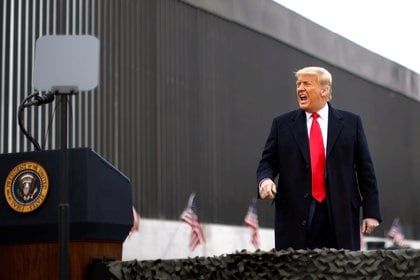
column 100, row 213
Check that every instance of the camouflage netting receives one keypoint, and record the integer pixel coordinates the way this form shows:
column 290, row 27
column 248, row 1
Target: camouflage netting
column 288, row 264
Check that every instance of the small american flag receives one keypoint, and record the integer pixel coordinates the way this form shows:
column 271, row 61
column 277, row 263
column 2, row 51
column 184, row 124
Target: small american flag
column 251, row 220
column 189, row 216
column 136, row 222
column 396, row 232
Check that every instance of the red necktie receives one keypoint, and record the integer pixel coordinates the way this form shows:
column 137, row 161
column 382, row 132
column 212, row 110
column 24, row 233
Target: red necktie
column 316, row 147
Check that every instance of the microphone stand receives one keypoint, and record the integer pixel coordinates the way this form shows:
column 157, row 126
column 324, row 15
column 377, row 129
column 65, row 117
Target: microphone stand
column 63, row 206
column 35, row 99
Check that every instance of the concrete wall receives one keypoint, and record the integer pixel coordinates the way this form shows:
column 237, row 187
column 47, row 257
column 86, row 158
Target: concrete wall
column 159, row 239
column 162, row 239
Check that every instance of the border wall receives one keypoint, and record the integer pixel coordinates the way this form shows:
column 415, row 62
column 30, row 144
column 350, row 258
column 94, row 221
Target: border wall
column 187, row 93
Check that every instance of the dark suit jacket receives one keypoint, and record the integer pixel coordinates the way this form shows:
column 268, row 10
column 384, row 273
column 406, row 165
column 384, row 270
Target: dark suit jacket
column 350, row 177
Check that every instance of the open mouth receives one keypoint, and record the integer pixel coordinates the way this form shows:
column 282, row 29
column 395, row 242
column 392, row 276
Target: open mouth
column 303, row 97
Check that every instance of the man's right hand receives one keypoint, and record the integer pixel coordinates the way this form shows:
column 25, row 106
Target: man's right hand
column 268, row 189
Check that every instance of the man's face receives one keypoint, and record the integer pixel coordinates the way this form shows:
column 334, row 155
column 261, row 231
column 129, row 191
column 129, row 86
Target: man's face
column 311, row 96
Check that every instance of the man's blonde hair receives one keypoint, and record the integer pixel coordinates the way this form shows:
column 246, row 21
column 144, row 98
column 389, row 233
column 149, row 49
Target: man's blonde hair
column 324, row 77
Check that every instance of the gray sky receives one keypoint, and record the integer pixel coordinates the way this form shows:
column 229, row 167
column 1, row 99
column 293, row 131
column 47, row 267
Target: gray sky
column 388, row 28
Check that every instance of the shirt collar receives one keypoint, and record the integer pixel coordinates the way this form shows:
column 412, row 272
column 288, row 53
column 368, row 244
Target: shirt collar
column 323, row 113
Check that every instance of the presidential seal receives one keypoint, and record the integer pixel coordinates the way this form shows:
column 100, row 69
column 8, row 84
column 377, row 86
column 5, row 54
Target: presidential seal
column 26, row 187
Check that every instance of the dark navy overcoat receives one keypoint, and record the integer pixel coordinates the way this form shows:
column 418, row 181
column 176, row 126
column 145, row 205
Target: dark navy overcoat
column 350, row 177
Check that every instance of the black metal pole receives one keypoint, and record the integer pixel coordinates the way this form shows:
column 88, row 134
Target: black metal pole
column 63, row 207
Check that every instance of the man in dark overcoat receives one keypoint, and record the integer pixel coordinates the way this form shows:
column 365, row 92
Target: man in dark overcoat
column 325, row 172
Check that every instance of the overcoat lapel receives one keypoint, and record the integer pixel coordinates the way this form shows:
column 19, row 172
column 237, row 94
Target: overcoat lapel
column 300, row 133
column 335, row 125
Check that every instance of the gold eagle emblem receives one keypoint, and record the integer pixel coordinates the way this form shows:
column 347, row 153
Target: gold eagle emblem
column 26, row 187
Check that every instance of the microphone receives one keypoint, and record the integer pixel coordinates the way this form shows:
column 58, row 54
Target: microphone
column 39, row 100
